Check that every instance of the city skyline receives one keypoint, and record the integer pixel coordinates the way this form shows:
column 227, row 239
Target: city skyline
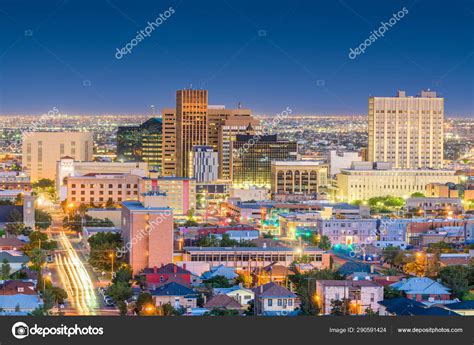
column 267, row 57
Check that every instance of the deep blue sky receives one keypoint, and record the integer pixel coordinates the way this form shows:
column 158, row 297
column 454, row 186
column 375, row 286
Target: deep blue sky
column 67, row 60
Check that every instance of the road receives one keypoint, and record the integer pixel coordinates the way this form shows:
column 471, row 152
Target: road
column 71, row 271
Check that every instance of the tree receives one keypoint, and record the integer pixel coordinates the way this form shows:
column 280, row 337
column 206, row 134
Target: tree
column 120, row 291
column 456, row 278
column 223, row 312
column 103, row 245
column 110, row 203
column 217, row 282
column 58, row 294
column 341, row 306
column 123, row 275
column 144, row 299
column 389, row 254
column 325, row 243
column 42, row 219
column 369, row 311
column 389, row 292
column 168, row 310
column 5, row 270
column 43, row 183
column 38, row 258
column 82, row 209
column 417, row 195
column 19, row 199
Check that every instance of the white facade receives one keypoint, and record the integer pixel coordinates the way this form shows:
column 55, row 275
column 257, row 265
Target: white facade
column 349, row 231
column 407, row 131
column 248, row 194
column 67, row 166
column 205, row 164
column 342, row 160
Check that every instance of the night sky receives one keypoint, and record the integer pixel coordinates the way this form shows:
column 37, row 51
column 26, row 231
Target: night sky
column 269, row 55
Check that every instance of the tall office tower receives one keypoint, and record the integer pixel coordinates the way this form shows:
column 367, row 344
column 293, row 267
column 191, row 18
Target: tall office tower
column 252, row 155
column 191, row 126
column 407, row 131
column 169, row 142
column 205, row 164
column 41, row 151
column 217, row 115
column 141, row 143
column 228, row 130
column 147, row 225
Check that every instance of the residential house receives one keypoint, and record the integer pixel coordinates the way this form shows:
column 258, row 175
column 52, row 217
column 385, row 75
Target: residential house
column 223, row 302
column 16, row 295
column 465, row 308
column 402, row 306
column 422, row 289
column 11, row 243
column 179, row 296
column 272, row 273
column 237, row 292
column 17, row 260
column 220, row 270
column 362, row 294
column 274, row 300
column 165, row 274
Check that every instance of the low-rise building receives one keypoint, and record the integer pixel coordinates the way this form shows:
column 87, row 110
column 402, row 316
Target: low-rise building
column 447, row 207
column 247, row 258
column 179, row 296
column 237, row 292
column 422, row 289
column 274, row 300
column 16, row 180
column 365, row 180
column 349, row 231
column 18, row 296
column 362, row 294
column 98, row 189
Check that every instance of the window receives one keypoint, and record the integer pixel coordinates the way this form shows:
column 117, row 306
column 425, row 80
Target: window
column 279, row 302
column 270, row 302
column 290, row 302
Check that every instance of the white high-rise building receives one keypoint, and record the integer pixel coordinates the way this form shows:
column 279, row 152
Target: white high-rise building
column 407, row 131
column 205, row 164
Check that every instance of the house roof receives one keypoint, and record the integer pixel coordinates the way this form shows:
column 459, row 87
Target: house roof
column 220, row 270
column 25, row 302
column 13, row 257
column 404, row 306
column 16, row 287
column 167, row 269
column 420, row 285
column 231, row 289
column 351, row 283
column 273, row 290
column 277, row 270
column 172, row 289
column 351, row 267
column 11, row 242
column 222, row 301
column 465, row 305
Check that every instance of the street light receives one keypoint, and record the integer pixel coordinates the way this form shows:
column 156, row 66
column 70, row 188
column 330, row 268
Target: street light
column 47, row 277
column 111, row 256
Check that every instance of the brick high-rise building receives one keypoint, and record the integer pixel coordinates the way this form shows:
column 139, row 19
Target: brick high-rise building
column 407, row 131
column 148, row 232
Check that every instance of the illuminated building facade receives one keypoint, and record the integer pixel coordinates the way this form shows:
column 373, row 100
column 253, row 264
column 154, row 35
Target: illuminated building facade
column 252, row 156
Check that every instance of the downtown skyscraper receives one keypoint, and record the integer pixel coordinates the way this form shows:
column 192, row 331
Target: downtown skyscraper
column 191, row 127
column 407, row 131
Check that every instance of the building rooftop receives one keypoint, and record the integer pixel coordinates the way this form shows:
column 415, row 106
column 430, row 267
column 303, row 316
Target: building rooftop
column 273, row 290
column 250, row 249
column 173, row 289
column 138, row 206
